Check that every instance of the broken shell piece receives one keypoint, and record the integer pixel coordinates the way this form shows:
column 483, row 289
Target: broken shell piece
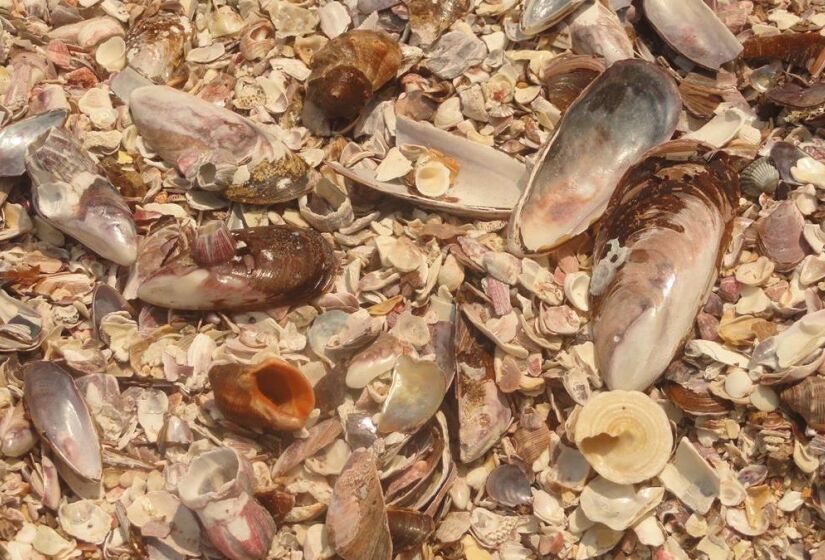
column 327, row 208
column 689, row 477
column 16, row 138
column 272, row 395
column 356, row 519
column 539, row 15
column 563, row 198
column 111, row 54
column 617, row 505
column 17, row 437
column 428, row 20
column 217, row 486
column 596, row 30
column 781, row 235
column 508, row 485
column 155, row 44
column 84, row 520
column 624, row 435
column 21, row 327
column 257, row 40
column 808, row 399
column 418, row 387
column 692, row 29
column 375, row 360
column 409, row 528
column 62, row 418
column 809, row 170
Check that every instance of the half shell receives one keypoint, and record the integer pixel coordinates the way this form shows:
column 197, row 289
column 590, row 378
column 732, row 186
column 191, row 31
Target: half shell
column 16, row 138
column 418, row 387
column 539, row 15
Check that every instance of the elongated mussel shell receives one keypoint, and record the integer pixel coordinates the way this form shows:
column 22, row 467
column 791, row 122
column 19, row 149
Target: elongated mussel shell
column 211, row 143
column 62, row 418
column 15, row 138
column 692, row 29
column 272, row 395
column 70, row 193
column 808, row 400
column 539, row 15
column 275, row 265
column 656, row 257
column 630, row 108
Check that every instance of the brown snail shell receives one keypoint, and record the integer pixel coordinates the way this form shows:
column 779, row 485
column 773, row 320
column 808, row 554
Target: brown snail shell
column 349, row 69
column 272, row 395
column 808, row 400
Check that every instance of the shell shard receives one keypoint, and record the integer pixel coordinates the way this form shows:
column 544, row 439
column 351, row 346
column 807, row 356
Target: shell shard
column 222, row 150
column 21, row 327
column 275, row 265
column 69, row 192
column 16, row 138
column 655, row 259
column 428, row 20
column 539, row 15
column 62, row 418
column 630, row 108
column 596, row 30
column 417, row 389
column 692, row 28
column 155, row 45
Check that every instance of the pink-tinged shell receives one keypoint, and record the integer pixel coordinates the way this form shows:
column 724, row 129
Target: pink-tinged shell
column 692, row 29
column 213, row 244
column 630, row 108
column 155, row 45
column 671, row 221
column 780, row 236
column 15, row 138
column 17, row 435
column 88, row 33
column 62, row 419
column 808, row 400
column 318, row 437
column 28, row 69
column 356, row 519
column 257, row 39
column 596, row 30
column 217, row 486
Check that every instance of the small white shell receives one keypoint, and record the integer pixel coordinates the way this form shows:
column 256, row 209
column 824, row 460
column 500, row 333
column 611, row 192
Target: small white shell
column 576, row 287
column 225, row 21
column 809, row 170
column 617, row 505
column 393, row 166
column 738, row 384
column 85, row 520
column 689, row 477
column 764, row 398
column 432, row 177
column 111, row 54
column 95, row 103
column 755, row 273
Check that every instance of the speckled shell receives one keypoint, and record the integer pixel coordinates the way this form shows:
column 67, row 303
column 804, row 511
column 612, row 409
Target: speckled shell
column 349, row 69
column 272, row 395
column 155, row 45
column 808, row 400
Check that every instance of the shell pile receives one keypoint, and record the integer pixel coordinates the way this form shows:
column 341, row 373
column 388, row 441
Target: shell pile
column 412, row 279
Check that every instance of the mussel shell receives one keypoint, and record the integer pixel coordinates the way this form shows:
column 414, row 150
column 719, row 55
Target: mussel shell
column 539, row 15
column 16, row 138
column 630, row 108
column 508, row 485
column 408, row 528
column 798, row 97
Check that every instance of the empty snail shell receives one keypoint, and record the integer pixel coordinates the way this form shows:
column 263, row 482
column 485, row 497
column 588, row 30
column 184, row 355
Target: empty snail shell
column 348, row 70
column 271, row 395
column 624, row 435
column 808, row 399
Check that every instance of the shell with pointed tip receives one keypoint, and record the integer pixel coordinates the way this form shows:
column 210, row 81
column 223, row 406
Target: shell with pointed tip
column 624, row 435
column 155, row 45
column 105, row 300
column 349, row 69
column 15, row 138
column 672, row 219
column 62, row 419
column 204, row 140
column 539, row 15
column 275, row 265
column 217, row 486
column 630, row 108
column 70, row 194
column 356, row 518
column 272, row 395
column 692, row 29
column 418, row 387
column 808, row 400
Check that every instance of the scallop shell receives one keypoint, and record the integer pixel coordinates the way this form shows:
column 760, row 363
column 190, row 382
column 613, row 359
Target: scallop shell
column 808, row 399
column 624, row 435
column 761, row 176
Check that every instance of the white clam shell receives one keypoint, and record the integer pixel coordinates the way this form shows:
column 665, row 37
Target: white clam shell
column 394, row 166
column 738, row 384
column 576, row 288
column 432, row 178
column 809, row 170
column 617, row 505
column 755, row 273
column 111, row 54
column 689, row 477
column 624, row 435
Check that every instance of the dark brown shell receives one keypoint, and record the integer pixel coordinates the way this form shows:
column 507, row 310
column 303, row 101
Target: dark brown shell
column 408, row 528
column 800, row 49
column 349, row 69
column 798, row 97
column 155, row 45
column 566, row 76
column 808, row 400
column 277, row 501
column 702, row 94
column 272, row 395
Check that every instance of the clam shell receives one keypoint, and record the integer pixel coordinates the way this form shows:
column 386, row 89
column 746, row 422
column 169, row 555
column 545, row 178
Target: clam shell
column 567, row 75
column 624, row 435
column 418, row 387
column 539, row 15
column 781, row 236
column 808, row 399
column 691, row 479
column 408, row 528
column 508, row 485
column 617, row 506
column 563, row 198
column 595, row 30
column 16, row 138
column 693, row 29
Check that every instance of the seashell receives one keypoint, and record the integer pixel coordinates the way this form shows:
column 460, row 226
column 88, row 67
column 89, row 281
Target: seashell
column 693, row 30
column 62, row 419
column 809, row 170
column 559, row 204
column 224, row 21
column 327, row 208
column 785, row 156
column 96, row 104
column 276, row 264
column 539, row 15
column 780, row 236
column 105, row 300
column 88, row 32
column 624, row 435
column 16, row 138
column 348, row 70
column 155, row 45
column 17, row 437
column 720, row 130
column 559, row 320
column 257, row 39
column 217, row 486
column 664, row 258
column 508, row 485
column 755, row 273
column 111, row 54
column 356, row 520
column 408, row 528
column 204, row 55
column 567, row 75
column 213, row 244
column 334, row 19
column 800, row 49
column 690, row 478
column 418, row 387
column 808, row 400
column 428, row 20
column 293, row 21
column 478, row 166
column 617, row 506
column 797, row 97
column 433, row 176
column 696, row 402
column 595, row 30
column 84, row 520
column 272, row 395
column 21, row 327
column 204, row 140
column 71, row 195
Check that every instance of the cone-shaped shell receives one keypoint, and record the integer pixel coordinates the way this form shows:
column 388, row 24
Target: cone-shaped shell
column 15, row 138
column 655, row 260
column 630, row 108
column 624, row 435
column 272, row 395
column 808, row 400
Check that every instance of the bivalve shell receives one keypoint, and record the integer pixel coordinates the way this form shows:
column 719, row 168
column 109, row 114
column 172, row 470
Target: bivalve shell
column 759, row 177
column 618, row 505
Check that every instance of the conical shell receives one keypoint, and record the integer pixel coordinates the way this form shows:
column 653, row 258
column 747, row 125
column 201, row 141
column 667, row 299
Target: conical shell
column 624, row 435
column 808, row 400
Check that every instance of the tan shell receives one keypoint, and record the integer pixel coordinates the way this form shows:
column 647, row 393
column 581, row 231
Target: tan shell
column 808, row 399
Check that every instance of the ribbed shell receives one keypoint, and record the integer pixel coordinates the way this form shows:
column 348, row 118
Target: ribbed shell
column 761, row 176
column 808, row 400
